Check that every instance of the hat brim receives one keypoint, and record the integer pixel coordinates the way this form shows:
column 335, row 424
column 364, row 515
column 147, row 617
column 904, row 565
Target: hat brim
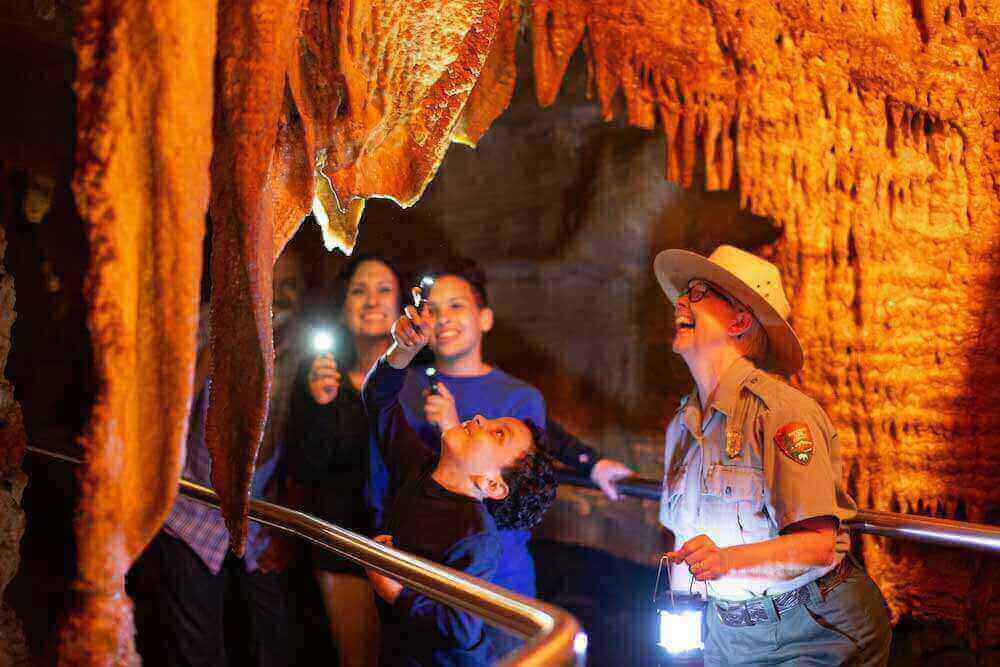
column 676, row 268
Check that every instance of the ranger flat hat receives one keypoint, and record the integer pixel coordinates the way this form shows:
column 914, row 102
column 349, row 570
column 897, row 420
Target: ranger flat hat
column 754, row 281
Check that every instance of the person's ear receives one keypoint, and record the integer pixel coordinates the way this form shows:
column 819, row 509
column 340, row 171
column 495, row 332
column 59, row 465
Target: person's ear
column 485, row 319
column 491, row 486
column 740, row 324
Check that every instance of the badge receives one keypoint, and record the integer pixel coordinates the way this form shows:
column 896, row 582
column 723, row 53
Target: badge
column 734, row 443
column 795, row 441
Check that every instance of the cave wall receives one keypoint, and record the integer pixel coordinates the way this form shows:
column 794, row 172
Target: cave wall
column 35, row 144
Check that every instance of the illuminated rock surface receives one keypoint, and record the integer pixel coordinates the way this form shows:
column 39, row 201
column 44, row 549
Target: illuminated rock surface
column 866, row 131
column 144, row 109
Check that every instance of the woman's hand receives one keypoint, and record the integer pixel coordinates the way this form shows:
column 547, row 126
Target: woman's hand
column 324, row 379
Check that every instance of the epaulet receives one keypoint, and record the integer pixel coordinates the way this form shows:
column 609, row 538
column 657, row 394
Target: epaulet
column 771, row 390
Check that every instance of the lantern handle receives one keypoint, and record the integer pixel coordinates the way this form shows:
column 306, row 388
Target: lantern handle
column 656, row 585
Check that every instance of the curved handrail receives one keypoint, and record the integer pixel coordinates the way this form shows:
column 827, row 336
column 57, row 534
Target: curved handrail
column 942, row 532
column 554, row 635
column 555, row 638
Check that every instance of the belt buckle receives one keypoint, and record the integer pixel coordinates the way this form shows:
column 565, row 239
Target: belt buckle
column 735, row 615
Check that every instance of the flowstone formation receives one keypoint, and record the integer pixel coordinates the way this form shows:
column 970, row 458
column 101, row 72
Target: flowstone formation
column 868, row 131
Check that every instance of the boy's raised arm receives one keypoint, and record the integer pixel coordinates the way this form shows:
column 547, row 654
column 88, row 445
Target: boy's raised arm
column 410, row 333
column 394, row 447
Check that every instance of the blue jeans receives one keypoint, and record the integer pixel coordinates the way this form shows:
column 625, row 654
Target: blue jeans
column 849, row 627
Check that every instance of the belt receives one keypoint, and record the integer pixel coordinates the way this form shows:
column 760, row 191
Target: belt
column 754, row 611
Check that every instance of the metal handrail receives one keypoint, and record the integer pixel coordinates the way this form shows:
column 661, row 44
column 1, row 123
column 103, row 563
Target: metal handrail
column 942, row 532
column 554, row 636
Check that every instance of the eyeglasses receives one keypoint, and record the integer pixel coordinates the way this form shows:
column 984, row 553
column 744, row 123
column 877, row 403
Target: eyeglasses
column 697, row 289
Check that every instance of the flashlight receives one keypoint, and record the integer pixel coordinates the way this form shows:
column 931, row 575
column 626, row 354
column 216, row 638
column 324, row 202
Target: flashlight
column 322, row 341
column 431, row 374
column 680, row 621
column 422, row 291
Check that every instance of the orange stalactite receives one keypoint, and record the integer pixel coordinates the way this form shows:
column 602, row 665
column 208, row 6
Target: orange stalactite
column 144, row 109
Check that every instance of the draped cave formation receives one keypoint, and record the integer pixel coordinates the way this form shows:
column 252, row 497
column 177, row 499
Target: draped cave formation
column 866, row 132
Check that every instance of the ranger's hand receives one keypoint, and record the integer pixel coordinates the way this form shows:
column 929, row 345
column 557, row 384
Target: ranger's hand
column 705, row 560
column 324, row 379
column 439, row 408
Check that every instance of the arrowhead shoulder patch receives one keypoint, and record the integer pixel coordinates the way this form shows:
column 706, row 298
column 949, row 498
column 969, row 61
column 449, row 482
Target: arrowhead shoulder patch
column 795, row 441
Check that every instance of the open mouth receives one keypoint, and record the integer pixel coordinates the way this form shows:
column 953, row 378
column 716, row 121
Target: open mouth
column 683, row 318
column 447, row 335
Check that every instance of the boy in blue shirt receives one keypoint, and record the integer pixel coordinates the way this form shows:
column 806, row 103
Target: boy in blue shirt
column 460, row 316
column 440, row 509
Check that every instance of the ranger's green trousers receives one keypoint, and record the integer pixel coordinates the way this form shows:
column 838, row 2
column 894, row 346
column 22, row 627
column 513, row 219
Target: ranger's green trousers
column 849, row 627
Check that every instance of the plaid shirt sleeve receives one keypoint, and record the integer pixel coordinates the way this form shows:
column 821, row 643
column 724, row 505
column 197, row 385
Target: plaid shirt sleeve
column 199, row 526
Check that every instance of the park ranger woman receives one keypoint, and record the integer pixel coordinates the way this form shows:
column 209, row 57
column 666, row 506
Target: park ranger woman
column 752, row 479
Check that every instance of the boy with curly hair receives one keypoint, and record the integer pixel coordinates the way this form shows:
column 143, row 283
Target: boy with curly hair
column 490, row 473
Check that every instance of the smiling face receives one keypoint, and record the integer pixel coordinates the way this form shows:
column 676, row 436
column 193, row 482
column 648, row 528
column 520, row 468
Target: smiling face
column 484, row 447
column 706, row 325
column 372, row 302
column 459, row 321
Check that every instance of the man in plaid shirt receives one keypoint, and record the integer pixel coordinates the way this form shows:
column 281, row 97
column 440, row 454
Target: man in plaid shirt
column 193, row 547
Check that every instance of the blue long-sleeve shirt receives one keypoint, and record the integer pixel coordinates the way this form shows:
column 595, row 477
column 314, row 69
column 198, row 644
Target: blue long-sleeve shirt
column 493, row 395
column 430, row 521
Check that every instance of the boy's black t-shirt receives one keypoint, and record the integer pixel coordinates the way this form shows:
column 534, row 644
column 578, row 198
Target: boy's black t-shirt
column 430, row 521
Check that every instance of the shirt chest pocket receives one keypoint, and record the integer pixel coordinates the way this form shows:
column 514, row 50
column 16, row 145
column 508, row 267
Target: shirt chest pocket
column 736, row 484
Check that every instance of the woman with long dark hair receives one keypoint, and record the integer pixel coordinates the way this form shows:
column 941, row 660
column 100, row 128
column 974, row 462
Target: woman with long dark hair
column 328, row 445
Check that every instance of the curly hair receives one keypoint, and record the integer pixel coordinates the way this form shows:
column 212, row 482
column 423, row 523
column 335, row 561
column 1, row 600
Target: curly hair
column 531, row 481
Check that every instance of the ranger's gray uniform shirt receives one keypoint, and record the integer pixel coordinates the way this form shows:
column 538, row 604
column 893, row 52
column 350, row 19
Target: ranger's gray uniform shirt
column 781, row 466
